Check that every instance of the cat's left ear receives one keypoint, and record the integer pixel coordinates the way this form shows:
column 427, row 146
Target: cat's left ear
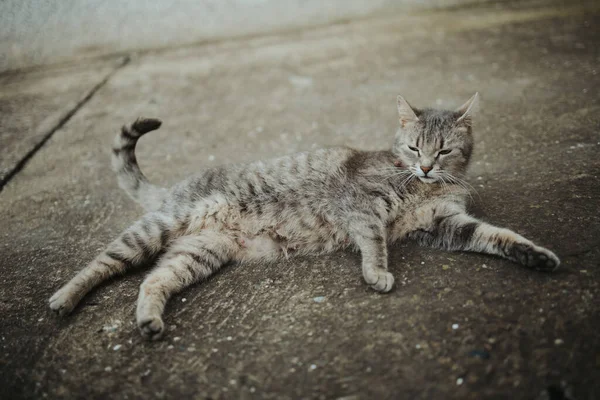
column 468, row 110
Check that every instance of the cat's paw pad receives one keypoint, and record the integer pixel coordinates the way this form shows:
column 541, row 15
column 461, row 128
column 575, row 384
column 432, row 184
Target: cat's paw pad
column 63, row 301
column 379, row 280
column 537, row 257
column 152, row 328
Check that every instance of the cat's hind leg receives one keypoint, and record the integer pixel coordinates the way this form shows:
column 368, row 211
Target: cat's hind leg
column 138, row 244
column 189, row 259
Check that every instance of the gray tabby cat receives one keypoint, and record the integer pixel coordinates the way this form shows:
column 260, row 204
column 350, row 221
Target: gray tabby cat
column 301, row 204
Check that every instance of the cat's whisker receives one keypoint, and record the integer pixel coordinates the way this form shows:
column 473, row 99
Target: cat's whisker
column 392, row 169
column 467, row 184
column 401, row 173
column 460, row 183
column 398, row 172
column 406, row 181
column 444, row 185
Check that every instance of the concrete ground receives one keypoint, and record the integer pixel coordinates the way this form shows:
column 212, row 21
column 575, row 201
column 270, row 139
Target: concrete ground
column 456, row 326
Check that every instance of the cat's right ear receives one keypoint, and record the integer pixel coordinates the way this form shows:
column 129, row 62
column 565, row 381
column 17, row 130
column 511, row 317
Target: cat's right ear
column 468, row 110
column 405, row 112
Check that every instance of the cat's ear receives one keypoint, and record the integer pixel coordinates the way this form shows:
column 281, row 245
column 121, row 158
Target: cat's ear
column 405, row 112
column 468, row 110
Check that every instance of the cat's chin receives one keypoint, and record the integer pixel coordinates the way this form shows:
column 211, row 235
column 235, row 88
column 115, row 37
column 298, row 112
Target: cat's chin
column 427, row 179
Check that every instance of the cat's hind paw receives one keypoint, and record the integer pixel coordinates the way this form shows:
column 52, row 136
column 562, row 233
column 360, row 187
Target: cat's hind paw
column 379, row 280
column 152, row 328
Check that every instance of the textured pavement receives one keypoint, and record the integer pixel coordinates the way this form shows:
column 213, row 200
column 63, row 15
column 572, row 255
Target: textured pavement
column 457, row 325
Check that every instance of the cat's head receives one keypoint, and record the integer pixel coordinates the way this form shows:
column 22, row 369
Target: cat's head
column 435, row 145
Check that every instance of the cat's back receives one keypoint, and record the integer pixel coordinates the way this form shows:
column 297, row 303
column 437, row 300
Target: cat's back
column 299, row 171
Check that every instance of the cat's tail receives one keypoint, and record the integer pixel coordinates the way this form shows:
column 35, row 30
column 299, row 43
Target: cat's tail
column 125, row 165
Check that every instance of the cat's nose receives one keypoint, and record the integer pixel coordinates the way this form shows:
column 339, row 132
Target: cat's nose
column 426, row 169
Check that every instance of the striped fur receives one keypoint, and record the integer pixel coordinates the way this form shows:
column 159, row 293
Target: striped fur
column 130, row 177
column 306, row 203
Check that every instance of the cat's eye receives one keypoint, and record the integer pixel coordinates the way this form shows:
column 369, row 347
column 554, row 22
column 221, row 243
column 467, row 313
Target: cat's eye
column 413, row 148
column 444, row 152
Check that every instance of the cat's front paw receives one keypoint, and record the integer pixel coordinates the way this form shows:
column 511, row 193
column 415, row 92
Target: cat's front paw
column 63, row 301
column 379, row 280
column 536, row 257
column 152, row 328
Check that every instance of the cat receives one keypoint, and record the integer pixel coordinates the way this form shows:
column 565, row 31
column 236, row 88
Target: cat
column 301, row 204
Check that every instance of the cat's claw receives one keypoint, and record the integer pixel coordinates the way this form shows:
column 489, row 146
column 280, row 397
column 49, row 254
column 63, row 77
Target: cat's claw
column 152, row 328
column 62, row 302
column 380, row 280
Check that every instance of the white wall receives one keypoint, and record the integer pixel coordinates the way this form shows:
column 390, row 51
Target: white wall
column 36, row 32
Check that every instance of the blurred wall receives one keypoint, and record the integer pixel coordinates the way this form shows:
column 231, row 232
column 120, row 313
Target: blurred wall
column 34, row 32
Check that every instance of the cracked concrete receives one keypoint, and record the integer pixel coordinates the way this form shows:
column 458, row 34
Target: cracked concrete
column 457, row 325
column 35, row 104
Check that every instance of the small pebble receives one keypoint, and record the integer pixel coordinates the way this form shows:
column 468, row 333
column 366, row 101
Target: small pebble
column 319, row 299
column 170, row 347
column 422, row 262
column 40, row 320
column 558, row 342
column 229, row 338
column 109, row 328
column 459, row 381
column 176, row 339
column 445, row 267
column 211, row 158
column 454, row 326
column 252, row 389
column 183, row 300
column 108, row 369
column 417, row 346
column 117, row 347
column 313, row 367
column 481, row 354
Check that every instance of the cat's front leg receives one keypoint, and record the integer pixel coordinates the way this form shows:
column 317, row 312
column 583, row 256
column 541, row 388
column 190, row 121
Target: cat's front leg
column 370, row 237
column 460, row 231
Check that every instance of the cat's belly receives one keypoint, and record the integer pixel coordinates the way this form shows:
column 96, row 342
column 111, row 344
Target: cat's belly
column 270, row 245
column 269, row 235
